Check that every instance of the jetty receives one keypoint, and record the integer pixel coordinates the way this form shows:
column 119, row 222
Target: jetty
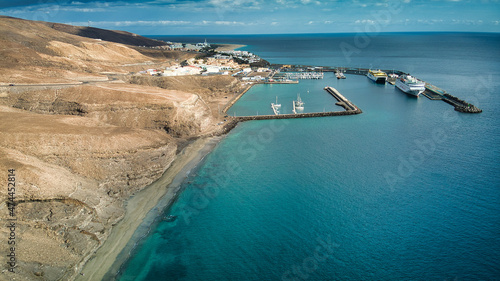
column 342, row 101
column 275, row 109
column 434, row 93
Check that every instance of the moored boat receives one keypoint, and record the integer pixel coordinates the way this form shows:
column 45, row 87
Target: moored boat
column 378, row 76
column 299, row 104
column 410, row 85
column 277, row 105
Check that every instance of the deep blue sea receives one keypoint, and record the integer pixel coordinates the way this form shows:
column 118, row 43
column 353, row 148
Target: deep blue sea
column 407, row 190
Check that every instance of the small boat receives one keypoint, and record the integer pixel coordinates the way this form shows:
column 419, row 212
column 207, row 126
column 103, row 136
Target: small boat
column 340, row 75
column 277, row 105
column 298, row 105
column 170, row 218
column 275, row 108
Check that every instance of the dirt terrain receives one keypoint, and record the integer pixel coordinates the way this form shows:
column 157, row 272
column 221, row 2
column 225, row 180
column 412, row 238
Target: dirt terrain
column 83, row 133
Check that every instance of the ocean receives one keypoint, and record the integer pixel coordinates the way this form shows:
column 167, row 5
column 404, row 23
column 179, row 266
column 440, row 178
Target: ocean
column 407, row 190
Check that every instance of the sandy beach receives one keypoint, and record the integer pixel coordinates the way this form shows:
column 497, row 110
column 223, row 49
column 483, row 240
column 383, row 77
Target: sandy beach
column 228, row 47
column 138, row 206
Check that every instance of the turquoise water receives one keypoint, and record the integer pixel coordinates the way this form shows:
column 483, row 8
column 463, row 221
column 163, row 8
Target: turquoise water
column 408, row 190
column 257, row 101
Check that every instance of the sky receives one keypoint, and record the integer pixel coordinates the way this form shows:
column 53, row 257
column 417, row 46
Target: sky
column 206, row 17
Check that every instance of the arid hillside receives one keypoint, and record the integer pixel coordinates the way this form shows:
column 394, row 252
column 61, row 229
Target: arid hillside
column 83, row 133
column 117, row 36
column 34, row 52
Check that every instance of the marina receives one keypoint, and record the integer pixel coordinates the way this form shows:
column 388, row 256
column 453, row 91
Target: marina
column 298, row 105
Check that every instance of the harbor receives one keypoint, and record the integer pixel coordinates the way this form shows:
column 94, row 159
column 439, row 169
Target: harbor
column 431, row 92
column 291, row 74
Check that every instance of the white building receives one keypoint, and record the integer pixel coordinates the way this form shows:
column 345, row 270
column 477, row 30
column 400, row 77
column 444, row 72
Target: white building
column 182, row 71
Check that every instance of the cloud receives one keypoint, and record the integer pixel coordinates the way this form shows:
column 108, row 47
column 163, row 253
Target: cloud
column 82, row 10
column 221, row 22
column 233, row 4
column 132, row 23
column 365, row 21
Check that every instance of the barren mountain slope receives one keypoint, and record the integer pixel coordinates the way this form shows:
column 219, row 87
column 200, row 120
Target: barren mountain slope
column 79, row 151
column 32, row 52
column 117, row 36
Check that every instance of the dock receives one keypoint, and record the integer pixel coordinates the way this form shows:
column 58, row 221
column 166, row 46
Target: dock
column 275, row 109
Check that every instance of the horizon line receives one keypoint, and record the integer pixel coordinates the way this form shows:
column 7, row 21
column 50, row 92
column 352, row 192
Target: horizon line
column 312, row 33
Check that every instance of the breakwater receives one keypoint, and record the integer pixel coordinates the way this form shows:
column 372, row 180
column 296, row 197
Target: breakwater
column 460, row 105
column 299, row 115
column 434, row 93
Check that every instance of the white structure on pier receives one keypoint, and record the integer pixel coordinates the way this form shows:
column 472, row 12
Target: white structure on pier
column 303, row 75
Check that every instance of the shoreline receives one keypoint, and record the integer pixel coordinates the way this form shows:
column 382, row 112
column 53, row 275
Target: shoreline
column 228, row 47
column 161, row 192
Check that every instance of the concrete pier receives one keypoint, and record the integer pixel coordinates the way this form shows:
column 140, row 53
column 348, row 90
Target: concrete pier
column 342, row 101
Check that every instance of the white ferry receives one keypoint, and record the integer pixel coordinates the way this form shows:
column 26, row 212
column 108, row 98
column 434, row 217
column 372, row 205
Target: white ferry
column 378, row 76
column 410, row 85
